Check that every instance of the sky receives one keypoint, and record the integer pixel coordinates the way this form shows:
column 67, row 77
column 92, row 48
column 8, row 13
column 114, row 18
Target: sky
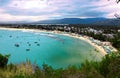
column 36, row 10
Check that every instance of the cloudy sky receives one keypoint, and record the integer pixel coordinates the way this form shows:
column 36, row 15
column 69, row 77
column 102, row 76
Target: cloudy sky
column 35, row 10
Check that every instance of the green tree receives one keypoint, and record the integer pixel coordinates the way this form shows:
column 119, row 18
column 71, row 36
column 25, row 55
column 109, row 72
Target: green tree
column 3, row 60
column 48, row 71
column 110, row 65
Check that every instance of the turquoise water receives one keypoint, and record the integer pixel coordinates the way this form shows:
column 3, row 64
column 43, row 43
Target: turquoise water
column 43, row 47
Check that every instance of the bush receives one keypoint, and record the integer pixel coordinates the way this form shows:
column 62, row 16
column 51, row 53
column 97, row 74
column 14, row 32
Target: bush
column 108, row 67
column 3, row 60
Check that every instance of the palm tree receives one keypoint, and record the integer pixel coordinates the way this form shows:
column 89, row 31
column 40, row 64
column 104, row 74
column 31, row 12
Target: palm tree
column 117, row 16
column 117, row 1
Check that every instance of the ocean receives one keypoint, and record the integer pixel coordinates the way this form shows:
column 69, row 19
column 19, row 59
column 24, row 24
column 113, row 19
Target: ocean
column 56, row 50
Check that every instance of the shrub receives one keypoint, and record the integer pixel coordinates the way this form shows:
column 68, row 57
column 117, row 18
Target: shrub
column 3, row 60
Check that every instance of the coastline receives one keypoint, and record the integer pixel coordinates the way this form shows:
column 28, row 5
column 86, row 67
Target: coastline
column 99, row 48
column 84, row 38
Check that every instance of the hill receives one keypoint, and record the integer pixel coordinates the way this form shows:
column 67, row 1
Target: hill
column 108, row 22
column 70, row 21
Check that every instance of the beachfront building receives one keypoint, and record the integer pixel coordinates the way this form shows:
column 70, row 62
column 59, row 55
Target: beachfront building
column 118, row 30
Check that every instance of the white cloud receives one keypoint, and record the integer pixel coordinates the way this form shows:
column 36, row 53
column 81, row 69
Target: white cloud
column 1, row 10
column 108, row 7
column 28, row 4
column 35, row 10
column 8, row 17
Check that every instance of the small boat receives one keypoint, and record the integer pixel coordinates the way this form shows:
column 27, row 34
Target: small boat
column 17, row 45
column 29, row 44
column 10, row 36
column 27, row 49
column 38, row 44
column 35, row 42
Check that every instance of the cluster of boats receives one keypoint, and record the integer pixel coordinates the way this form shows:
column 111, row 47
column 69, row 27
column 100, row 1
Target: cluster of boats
column 28, row 49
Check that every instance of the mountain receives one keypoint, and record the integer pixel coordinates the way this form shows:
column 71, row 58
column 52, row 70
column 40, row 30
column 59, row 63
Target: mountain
column 70, row 21
column 94, row 21
column 109, row 22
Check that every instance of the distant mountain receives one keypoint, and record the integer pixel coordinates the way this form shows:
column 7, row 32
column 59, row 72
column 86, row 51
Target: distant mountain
column 109, row 22
column 70, row 21
column 94, row 21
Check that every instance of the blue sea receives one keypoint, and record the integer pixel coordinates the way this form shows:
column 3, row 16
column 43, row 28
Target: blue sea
column 43, row 47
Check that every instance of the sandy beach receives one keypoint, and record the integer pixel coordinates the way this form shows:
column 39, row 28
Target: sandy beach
column 99, row 48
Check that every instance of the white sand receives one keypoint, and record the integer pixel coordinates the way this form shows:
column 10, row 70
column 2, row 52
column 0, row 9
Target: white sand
column 99, row 48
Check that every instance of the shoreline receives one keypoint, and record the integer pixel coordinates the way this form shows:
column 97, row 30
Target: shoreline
column 99, row 48
column 84, row 38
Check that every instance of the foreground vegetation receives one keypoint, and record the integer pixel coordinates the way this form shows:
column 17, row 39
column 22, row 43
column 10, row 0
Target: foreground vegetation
column 109, row 67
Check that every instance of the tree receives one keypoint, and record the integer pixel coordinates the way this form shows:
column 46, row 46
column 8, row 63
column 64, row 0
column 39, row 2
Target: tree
column 116, row 15
column 109, row 66
column 3, row 60
column 117, row 1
